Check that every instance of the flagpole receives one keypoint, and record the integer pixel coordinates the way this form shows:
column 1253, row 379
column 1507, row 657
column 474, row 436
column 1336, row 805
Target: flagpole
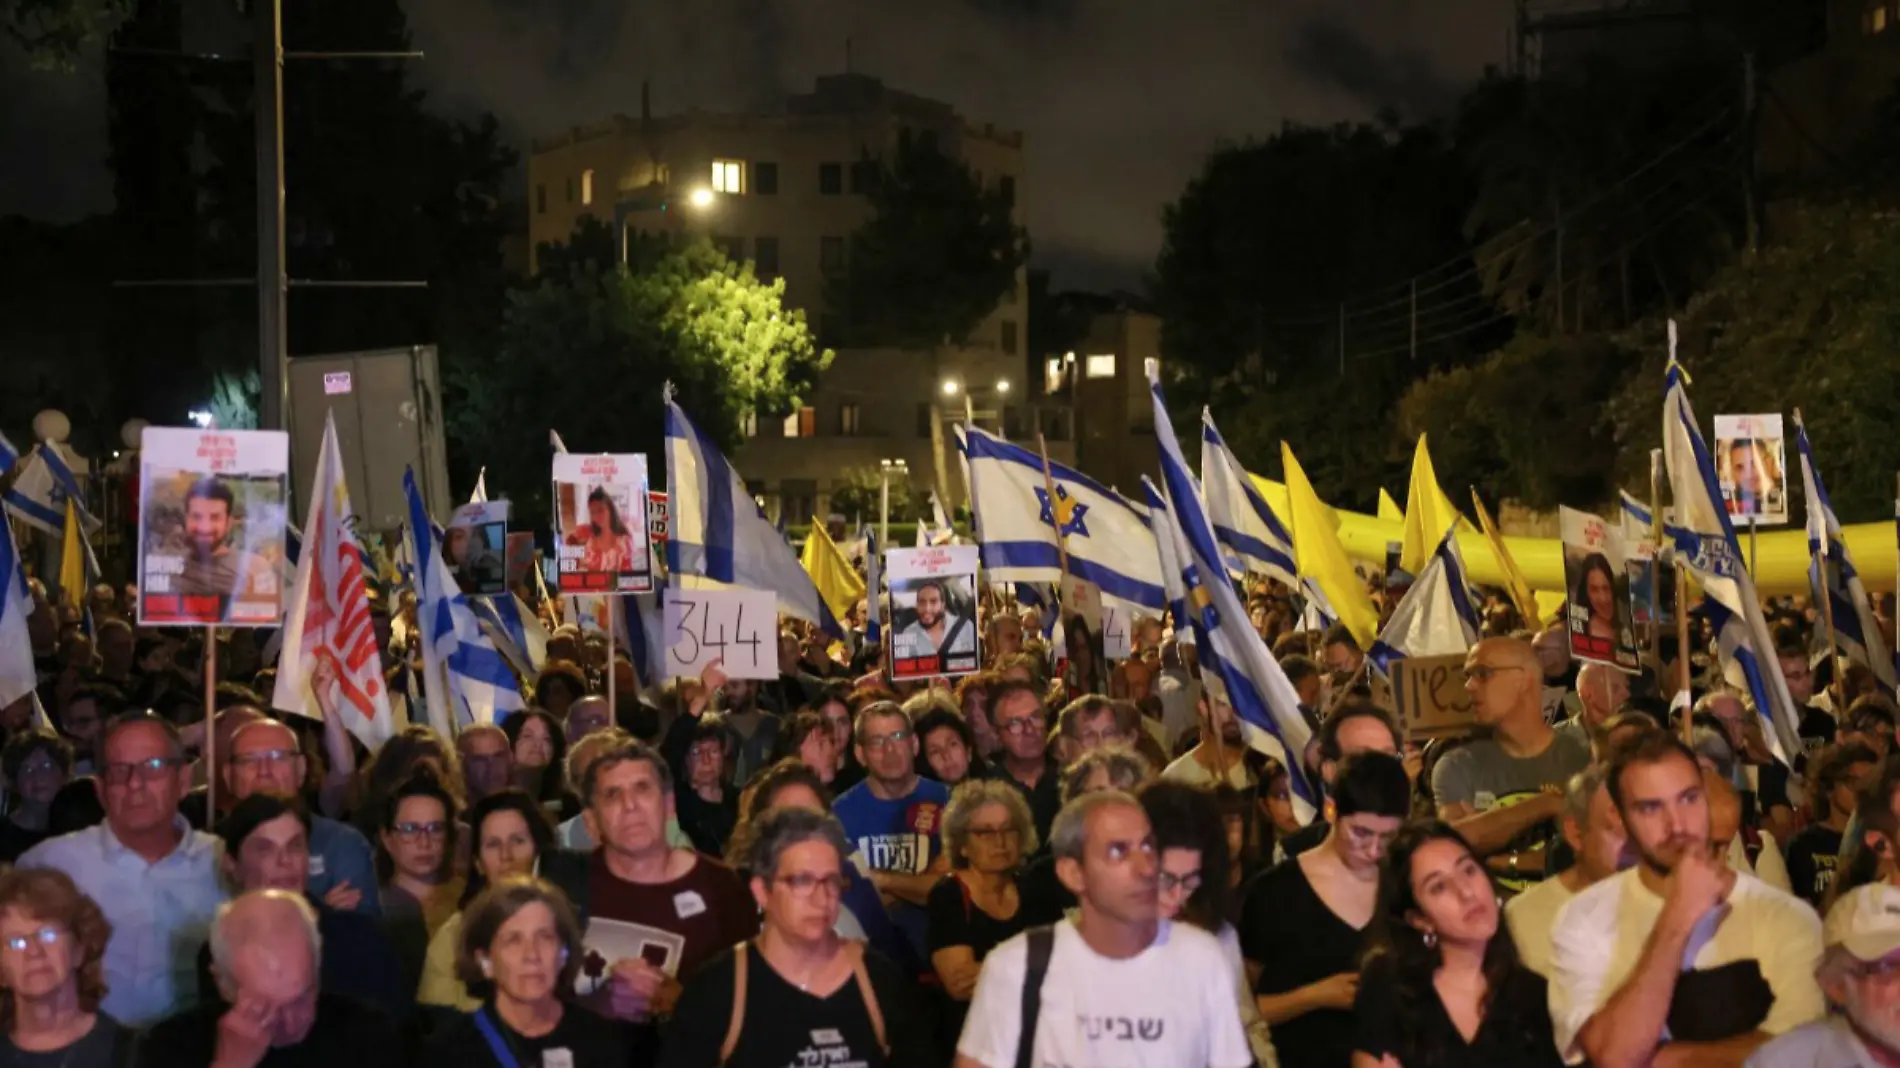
column 1055, row 519
column 1836, row 682
column 1682, row 650
column 1655, row 555
column 613, row 650
column 211, row 725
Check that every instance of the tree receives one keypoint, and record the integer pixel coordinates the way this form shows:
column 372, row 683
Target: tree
column 587, row 355
column 862, row 495
column 935, row 258
column 54, row 33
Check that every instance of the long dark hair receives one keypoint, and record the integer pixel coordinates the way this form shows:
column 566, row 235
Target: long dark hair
column 614, row 522
column 1397, row 951
column 513, row 799
column 1581, row 595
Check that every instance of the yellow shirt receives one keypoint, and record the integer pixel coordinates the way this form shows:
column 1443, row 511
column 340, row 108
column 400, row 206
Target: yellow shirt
column 440, row 985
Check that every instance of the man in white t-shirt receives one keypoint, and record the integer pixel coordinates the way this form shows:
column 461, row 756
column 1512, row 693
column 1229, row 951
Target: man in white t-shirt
column 1680, row 951
column 1123, row 988
column 1595, row 834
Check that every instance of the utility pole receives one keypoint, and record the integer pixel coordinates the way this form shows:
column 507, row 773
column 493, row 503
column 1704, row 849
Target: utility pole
column 272, row 274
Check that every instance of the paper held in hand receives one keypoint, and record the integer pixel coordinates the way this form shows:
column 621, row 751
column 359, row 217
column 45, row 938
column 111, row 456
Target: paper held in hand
column 737, row 627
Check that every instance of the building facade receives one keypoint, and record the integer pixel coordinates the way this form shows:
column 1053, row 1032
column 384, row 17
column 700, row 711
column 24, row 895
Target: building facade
column 785, row 191
column 1105, row 379
column 1821, row 106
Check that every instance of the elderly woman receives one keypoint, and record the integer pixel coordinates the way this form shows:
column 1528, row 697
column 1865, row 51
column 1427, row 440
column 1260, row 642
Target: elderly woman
column 52, row 967
column 510, row 834
column 798, row 988
column 987, row 831
column 36, row 765
column 520, row 950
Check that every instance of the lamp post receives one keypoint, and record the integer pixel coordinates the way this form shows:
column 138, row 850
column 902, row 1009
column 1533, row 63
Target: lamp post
column 887, row 468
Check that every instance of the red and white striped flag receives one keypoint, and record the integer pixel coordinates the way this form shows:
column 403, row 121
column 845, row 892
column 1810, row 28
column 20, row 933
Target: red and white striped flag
column 329, row 640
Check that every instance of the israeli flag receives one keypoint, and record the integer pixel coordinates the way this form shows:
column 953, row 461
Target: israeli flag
column 1163, row 526
column 641, row 629
column 1107, row 536
column 1242, row 521
column 1437, row 617
column 515, row 629
column 38, row 496
column 468, row 679
column 8, row 455
column 720, row 535
column 17, row 674
column 1846, row 596
column 1234, row 660
column 1705, row 543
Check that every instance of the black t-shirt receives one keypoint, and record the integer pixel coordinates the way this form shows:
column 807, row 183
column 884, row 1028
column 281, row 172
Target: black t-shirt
column 1045, row 798
column 787, row 1026
column 346, row 1033
column 956, row 921
column 1515, row 1032
column 708, row 823
column 1044, row 898
column 587, row 1038
column 15, row 840
column 107, row 1045
column 1813, row 854
column 1306, row 837
column 1816, row 728
column 1287, row 930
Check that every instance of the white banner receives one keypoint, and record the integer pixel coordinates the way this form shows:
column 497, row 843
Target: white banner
column 738, row 627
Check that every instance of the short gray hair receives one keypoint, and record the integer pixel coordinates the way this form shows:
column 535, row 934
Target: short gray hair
column 1069, row 837
column 1713, row 745
column 973, row 795
column 306, row 914
column 877, row 710
column 620, row 754
column 1126, row 770
column 1581, row 790
column 782, row 828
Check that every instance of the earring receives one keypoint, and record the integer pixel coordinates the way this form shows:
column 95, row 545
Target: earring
column 488, row 968
column 1431, row 939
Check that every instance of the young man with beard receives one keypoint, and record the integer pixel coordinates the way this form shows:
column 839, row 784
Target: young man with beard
column 1619, row 989
column 1216, row 759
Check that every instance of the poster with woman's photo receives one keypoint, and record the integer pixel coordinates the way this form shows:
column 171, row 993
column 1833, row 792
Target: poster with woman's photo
column 600, row 513
column 475, row 545
column 1594, row 573
column 1082, row 657
column 1751, row 463
column 211, row 526
column 933, row 611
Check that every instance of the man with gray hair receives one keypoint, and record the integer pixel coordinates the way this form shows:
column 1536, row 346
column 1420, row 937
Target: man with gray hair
column 1595, row 835
column 265, row 954
column 1862, row 939
column 1119, row 984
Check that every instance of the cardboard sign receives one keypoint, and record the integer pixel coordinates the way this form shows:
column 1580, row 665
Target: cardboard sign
column 1598, row 612
column 737, row 627
column 475, row 546
column 658, row 517
column 211, row 526
column 598, row 502
column 1117, row 639
column 1751, row 464
column 933, row 628
column 1430, row 692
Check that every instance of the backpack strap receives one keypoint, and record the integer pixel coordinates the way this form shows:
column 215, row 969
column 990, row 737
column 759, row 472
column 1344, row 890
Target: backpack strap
column 1042, row 945
column 731, row 1042
column 869, row 994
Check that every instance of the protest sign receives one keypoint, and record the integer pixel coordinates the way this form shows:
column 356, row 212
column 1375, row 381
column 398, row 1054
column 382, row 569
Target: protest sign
column 475, row 546
column 738, row 627
column 598, row 503
column 1598, row 614
column 933, row 611
column 211, row 526
column 1431, row 697
column 1081, row 657
column 520, row 558
column 1751, row 464
column 658, row 522
column 1117, row 640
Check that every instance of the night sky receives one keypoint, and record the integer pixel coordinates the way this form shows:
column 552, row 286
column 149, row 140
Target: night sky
column 1119, row 99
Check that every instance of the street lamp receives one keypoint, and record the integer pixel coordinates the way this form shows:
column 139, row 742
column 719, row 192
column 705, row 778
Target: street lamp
column 950, row 387
column 888, row 468
column 701, row 198
column 1002, row 385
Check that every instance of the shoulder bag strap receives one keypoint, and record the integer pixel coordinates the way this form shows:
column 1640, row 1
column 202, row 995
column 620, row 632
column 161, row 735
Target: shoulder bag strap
column 497, row 1045
column 869, row 994
column 739, row 954
column 1042, row 945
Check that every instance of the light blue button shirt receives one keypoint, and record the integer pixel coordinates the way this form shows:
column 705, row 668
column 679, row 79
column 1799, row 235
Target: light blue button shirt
column 161, row 915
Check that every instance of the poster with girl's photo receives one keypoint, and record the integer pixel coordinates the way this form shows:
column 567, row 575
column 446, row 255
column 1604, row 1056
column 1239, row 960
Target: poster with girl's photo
column 600, row 512
column 475, row 546
column 933, row 611
column 1598, row 614
column 1081, row 659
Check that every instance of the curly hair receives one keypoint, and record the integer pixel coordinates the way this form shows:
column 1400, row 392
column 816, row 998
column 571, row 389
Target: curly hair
column 972, row 796
column 50, row 896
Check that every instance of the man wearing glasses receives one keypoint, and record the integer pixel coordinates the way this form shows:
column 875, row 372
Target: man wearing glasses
column 1021, row 720
column 893, row 818
column 1504, row 793
column 154, row 877
column 267, row 759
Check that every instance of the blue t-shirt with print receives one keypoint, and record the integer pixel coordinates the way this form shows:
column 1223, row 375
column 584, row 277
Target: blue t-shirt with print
column 896, row 835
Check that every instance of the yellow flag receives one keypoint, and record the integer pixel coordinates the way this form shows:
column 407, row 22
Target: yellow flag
column 1323, row 559
column 1389, row 508
column 72, row 561
column 1519, row 587
column 1428, row 514
column 837, row 581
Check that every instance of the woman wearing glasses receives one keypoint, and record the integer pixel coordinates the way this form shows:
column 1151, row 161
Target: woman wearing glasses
column 52, row 968
column 415, row 861
column 798, row 989
column 987, row 831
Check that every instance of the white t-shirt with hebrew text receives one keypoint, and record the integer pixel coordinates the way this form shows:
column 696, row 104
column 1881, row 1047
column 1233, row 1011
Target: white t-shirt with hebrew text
column 1174, row 1005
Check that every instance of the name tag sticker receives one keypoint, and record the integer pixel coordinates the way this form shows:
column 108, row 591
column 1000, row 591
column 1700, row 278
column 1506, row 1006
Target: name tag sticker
column 688, row 904
column 316, row 865
column 557, row 1058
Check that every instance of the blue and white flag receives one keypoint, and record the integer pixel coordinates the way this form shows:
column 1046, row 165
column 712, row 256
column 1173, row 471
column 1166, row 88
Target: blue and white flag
column 1162, row 524
column 720, row 537
column 1705, row 543
column 517, row 632
column 18, row 676
column 1042, row 597
column 1438, row 615
column 873, row 591
column 1106, row 535
column 1234, row 660
column 641, row 629
column 468, row 680
column 1242, row 521
column 38, row 496
column 8, row 455
column 1846, row 596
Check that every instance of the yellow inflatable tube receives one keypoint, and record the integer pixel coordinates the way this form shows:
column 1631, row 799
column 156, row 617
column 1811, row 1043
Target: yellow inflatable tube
column 1781, row 554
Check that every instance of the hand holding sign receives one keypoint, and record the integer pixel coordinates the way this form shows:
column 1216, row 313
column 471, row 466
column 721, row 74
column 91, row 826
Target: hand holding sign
column 738, row 628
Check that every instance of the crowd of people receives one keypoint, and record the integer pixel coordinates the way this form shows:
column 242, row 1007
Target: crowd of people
column 1004, row 869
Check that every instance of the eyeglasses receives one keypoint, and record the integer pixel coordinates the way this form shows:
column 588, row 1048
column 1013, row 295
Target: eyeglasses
column 1884, row 969
column 995, row 835
column 804, row 884
column 264, row 756
column 45, row 936
column 1021, row 724
column 1484, row 672
column 39, row 767
column 885, row 741
column 148, row 771
column 1168, row 882
column 432, row 829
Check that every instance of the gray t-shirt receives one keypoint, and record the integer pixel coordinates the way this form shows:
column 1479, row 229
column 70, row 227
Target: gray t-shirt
column 1484, row 776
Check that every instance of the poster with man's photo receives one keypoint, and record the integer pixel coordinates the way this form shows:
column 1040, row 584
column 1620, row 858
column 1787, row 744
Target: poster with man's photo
column 933, row 611
column 1751, row 465
column 211, row 526
column 1595, row 575
column 600, row 511
column 475, row 546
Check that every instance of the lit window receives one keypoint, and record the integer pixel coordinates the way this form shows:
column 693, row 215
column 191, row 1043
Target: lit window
column 848, row 420
column 1100, row 366
column 587, row 186
column 1052, row 375
column 1875, row 19
column 802, row 423
column 728, row 176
